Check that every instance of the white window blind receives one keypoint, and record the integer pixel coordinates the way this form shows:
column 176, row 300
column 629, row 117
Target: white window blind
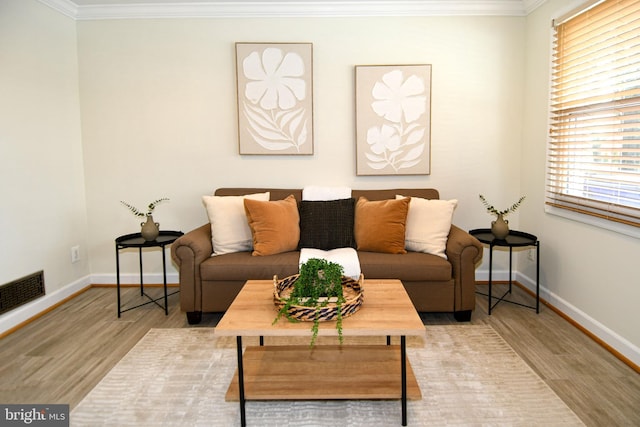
column 594, row 137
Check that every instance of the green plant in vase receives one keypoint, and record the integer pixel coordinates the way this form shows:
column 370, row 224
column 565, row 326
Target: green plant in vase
column 150, row 229
column 150, row 207
column 504, row 212
column 500, row 227
column 318, row 284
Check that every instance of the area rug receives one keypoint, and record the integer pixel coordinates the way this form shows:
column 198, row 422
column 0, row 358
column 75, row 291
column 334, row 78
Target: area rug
column 468, row 375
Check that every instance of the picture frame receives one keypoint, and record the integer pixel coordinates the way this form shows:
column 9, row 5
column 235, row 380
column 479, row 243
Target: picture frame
column 393, row 119
column 275, row 98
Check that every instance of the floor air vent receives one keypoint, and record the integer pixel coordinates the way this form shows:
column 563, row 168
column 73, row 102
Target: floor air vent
column 21, row 291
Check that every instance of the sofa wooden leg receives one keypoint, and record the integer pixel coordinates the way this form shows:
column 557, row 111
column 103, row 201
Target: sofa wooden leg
column 462, row 316
column 194, row 317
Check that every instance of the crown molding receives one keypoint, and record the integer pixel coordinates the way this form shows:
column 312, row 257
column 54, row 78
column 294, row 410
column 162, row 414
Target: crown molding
column 65, row 7
column 294, row 8
column 531, row 5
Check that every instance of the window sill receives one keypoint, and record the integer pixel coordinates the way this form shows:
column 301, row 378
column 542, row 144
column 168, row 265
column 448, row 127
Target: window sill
column 627, row 230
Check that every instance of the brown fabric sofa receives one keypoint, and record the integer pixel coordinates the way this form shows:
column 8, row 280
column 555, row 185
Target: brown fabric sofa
column 434, row 284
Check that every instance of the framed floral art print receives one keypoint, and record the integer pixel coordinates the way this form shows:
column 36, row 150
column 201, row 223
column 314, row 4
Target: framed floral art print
column 275, row 98
column 393, row 119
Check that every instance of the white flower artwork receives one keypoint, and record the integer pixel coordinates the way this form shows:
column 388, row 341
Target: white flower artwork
column 275, row 113
column 393, row 119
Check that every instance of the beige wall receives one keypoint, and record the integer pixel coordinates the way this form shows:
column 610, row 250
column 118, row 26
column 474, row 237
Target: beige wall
column 159, row 112
column 159, row 120
column 42, row 203
column 590, row 273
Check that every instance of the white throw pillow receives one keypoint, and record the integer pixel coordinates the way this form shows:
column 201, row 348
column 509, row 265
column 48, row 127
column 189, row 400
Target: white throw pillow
column 230, row 230
column 428, row 225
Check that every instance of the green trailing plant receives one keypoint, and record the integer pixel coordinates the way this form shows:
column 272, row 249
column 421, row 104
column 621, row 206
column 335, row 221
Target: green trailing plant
column 150, row 207
column 318, row 284
column 504, row 212
column 319, row 278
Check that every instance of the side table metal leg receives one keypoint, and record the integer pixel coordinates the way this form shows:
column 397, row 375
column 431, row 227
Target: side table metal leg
column 118, row 277
column 403, row 369
column 490, row 275
column 164, row 275
column 510, row 267
column 243, row 419
column 141, row 281
column 537, row 277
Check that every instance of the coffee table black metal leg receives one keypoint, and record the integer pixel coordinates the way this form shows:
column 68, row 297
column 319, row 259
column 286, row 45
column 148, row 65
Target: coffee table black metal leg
column 243, row 419
column 403, row 365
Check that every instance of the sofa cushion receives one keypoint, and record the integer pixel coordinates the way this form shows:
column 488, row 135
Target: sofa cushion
column 327, row 224
column 230, row 230
column 275, row 225
column 410, row 267
column 380, row 225
column 241, row 266
column 428, row 225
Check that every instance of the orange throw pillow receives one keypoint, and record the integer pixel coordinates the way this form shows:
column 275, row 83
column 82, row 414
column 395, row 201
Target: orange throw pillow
column 380, row 225
column 275, row 225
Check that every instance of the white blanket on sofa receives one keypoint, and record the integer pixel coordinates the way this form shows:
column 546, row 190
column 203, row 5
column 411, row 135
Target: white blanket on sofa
column 346, row 257
column 318, row 192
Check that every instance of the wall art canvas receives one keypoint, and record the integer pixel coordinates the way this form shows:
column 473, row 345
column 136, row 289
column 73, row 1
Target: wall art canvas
column 393, row 119
column 275, row 98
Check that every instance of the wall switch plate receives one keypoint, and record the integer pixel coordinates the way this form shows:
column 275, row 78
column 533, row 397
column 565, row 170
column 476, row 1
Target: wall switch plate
column 75, row 254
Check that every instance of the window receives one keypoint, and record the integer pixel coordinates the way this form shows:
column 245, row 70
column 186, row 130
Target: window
column 594, row 136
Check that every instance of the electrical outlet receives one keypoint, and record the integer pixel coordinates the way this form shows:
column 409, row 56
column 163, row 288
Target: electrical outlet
column 531, row 255
column 75, row 254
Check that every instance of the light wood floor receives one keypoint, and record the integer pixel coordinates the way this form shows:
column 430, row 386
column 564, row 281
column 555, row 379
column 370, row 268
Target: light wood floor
column 61, row 356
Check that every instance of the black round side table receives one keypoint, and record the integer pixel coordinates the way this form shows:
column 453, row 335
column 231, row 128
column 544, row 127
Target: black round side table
column 513, row 240
column 135, row 240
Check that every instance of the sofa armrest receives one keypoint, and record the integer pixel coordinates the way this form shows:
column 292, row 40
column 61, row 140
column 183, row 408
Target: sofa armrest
column 459, row 240
column 464, row 253
column 188, row 252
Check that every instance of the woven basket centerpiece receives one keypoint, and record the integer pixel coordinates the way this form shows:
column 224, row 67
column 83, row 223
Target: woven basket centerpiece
column 325, row 310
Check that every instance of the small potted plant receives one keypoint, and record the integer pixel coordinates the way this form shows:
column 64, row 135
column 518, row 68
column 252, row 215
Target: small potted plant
column 319, row 293
column 500, row 227
column 149, row 229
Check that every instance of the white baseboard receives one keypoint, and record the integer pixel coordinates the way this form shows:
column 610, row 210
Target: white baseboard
column 133, row 278
column 611, row 338
column 483, row 275
column 21, row 314
column 34, row 308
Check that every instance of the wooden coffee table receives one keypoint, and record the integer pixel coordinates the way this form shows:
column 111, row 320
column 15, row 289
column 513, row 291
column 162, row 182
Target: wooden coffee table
column 298, row 372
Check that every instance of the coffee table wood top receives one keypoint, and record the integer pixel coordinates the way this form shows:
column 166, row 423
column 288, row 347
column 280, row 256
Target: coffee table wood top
column 386, row 310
